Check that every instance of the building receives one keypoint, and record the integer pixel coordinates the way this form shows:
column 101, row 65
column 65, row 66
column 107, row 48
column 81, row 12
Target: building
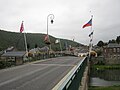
column 83, row 52
column 14, row 56
column 111, row 53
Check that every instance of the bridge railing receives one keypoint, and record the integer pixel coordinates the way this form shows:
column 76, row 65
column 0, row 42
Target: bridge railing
column 72, row 80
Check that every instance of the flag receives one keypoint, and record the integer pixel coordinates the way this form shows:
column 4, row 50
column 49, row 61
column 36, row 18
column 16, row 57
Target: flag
column 91, row 40
column 88, row 24
column 22, row 27
column 57, row 41
column 47, row 40
column 46, row 37
column 90, row 34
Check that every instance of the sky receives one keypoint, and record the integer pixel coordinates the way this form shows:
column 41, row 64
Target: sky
column 69, row 17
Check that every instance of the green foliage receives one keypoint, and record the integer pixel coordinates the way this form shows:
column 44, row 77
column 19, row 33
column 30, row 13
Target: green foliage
column 118, row 39
column 112, row 41
column 5, row 64
column 8, row 39
column 2, row 64
column 99, row 52
column 100, row 44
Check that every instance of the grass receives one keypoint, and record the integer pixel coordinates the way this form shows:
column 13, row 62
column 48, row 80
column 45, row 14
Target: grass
column 104, row 88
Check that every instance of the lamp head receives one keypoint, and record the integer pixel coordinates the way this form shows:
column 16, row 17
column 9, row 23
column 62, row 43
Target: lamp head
column 52, row 21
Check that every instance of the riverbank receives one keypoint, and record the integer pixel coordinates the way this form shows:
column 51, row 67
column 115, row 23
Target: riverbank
column 104, row 77
column 103, row 67
column 104, row 88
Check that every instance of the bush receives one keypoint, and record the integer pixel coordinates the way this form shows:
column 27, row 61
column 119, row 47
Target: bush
column 2, row 64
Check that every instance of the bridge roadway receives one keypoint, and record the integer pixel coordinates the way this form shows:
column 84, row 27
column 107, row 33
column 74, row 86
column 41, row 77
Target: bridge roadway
column 40, row 75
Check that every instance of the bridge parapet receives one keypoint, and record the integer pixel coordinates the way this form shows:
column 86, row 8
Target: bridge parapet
column 72, row 81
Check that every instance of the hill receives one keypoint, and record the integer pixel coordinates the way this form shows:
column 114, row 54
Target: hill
column 8, row 39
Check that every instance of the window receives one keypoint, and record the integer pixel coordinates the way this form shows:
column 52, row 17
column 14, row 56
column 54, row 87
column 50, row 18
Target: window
column 114, row 49
column 118, row 49
column 118, row 56
column 105, row 50
column 110, row 50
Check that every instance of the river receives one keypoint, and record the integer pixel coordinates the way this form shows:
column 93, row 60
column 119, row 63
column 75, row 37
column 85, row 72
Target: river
column 105, row 77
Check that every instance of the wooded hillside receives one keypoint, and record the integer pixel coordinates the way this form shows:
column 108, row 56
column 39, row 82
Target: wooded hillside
column 8, row 39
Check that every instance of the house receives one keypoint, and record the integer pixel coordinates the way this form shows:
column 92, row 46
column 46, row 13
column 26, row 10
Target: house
column 111, row 53
column 14, row 56
column 83, row 52
column 36, row 51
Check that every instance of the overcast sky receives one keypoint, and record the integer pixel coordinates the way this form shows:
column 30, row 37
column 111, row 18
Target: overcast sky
column 70, row 16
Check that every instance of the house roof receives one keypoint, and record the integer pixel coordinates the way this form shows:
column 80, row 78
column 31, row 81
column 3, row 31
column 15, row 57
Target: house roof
column 14, row 54
column 83, row 51
column 113, row 45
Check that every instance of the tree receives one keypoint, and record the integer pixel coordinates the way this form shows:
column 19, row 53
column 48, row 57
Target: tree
column 36, row 45
column 100, row 44
column 28, row 46
column 118, row 39
column 112, row 41
column 105, row 43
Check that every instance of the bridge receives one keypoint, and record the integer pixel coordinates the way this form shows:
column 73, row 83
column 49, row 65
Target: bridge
column 61, row 73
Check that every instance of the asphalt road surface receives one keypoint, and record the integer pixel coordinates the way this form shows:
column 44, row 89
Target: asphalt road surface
column 40, row 75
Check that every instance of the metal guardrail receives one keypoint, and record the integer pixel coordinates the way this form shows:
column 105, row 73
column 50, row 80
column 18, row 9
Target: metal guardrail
column 70, row 81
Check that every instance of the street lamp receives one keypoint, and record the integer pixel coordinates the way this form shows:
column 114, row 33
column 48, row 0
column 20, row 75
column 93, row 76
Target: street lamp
column 51, row 17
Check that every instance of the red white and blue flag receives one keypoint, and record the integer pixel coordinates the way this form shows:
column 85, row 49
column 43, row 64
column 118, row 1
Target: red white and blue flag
column 88, row 24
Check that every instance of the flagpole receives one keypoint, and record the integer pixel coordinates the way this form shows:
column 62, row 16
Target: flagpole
column 25, row 41
column 21, row 30
column 60, row 47
column 92, row 31
column 59, row 41
column 91, row 38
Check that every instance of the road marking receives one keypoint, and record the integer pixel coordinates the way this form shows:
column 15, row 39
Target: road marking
column 54, row 64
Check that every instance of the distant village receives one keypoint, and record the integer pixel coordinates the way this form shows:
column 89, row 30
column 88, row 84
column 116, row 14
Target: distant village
column 101, row 53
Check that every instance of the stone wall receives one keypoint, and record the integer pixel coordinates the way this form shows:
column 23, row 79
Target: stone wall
column 112, row 59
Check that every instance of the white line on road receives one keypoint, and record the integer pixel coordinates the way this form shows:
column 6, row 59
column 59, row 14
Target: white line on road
column 55, row 64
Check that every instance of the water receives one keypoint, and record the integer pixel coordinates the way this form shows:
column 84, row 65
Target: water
column 105, row 77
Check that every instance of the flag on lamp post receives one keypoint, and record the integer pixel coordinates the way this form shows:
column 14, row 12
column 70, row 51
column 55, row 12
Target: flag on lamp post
column 88, row 24
column 46, row 38
column 22, row 27
column 57, row 41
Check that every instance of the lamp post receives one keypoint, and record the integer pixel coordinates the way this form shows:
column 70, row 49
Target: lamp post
column 51, row 17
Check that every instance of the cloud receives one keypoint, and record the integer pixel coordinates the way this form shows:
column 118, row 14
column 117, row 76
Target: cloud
column 69, row 17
